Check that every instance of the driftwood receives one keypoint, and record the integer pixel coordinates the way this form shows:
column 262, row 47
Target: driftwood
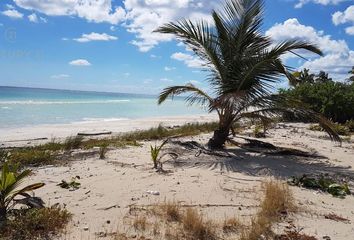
column 27, row 140
column 94, row 134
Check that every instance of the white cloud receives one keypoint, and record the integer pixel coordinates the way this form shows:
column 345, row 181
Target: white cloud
column 301, row 3
column 80, row 62
column 12, row 13
column 145, row 16
column 350, row 30
column 336, row 64
column 33, row 18
column 345, row 17
column 60, row 76
column 112, row 28
column 127, row 74
column 91, row 10
column 293, row 29
column 167, row 69
column 95, row 37
column 338, row 58
column 190, row 60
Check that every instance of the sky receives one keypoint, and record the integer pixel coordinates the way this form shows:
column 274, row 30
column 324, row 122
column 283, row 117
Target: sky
column 108, row 45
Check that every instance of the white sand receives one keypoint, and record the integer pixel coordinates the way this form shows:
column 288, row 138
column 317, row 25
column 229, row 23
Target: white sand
column 27, row 135
column 123, row 178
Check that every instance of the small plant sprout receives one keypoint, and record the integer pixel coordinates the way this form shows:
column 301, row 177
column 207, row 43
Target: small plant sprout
column 10, row 180
column 156, row 157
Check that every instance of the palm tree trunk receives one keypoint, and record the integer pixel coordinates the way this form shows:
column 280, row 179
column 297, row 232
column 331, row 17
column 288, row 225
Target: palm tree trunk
column 222, row 133
column 219, row 138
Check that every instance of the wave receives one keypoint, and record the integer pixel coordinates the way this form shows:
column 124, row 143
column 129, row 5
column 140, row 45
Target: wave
column 31, row 102
column 94, row 120
column 8, row 108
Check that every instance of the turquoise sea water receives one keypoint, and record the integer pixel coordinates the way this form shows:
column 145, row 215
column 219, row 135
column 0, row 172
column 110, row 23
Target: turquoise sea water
column 21, row 107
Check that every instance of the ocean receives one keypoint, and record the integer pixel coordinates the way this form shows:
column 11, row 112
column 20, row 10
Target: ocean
column 22, row 107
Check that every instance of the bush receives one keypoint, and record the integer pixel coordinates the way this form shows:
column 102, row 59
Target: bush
column 31, row 224
column 30, row 157
column 335, row 100
column 350, row 125
column 73, row 142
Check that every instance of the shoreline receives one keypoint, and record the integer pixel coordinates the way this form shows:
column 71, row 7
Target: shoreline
column 46, row 132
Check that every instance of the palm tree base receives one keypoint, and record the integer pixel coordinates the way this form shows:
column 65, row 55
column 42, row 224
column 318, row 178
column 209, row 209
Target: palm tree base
column 218, row 140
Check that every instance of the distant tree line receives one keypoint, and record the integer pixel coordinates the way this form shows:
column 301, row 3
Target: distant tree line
column 335, row 100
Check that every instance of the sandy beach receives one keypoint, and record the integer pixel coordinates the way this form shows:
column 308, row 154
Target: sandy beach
column 220, row 187
column 34, row 135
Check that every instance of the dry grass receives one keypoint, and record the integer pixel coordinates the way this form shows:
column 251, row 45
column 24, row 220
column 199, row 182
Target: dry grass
column 196, row 228
column 231, row 225
column 140, row 223
column 36, row 224
column 170, row 210
column 172, row 221
column 277, row 202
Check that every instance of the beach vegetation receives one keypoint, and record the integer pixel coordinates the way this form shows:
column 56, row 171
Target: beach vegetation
column 175, row 221
column 103, row 150
column 73, row 142
column 232, row 225
column 10, row 181
column 243, row 65
column 321, row 182
column 334, row 100
column 73, row 184
column 196, row 227
column 341, row 129
column 277, row 202
column 156, row 155
column 36, row 223
column 31, row 157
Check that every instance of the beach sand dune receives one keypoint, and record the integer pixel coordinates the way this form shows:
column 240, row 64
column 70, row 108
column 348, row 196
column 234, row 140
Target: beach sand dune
column 221, row 186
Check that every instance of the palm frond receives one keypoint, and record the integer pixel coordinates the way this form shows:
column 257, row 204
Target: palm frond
column 196, row 95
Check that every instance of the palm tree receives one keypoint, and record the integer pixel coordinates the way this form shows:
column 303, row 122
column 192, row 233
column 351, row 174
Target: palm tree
column 243, row 65
column 351, row 78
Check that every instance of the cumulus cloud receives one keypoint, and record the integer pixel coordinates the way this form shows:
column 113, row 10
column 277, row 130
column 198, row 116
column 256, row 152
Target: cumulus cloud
column 80, row 62
column 95, row 37
column 12, row 13
column 301, row 3
column 345, row 17
column 91, row 10
column 145, row 16
column 293, row 29
column 338, row 57
column 190, row 60
column 35, row 19
column 350, row 30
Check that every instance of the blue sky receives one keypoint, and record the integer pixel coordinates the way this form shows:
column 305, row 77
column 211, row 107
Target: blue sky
column 107, row 45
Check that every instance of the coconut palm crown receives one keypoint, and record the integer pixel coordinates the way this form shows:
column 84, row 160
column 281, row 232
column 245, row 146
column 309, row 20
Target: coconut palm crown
column 243, row 65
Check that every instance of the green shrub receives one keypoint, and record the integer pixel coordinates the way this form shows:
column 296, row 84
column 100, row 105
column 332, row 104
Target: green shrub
column 341, row 129
column 335, row 100
column 30, row 157
column 315, row 127
column 350, row 125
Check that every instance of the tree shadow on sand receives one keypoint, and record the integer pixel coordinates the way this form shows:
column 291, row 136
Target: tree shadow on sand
column 257, row 163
